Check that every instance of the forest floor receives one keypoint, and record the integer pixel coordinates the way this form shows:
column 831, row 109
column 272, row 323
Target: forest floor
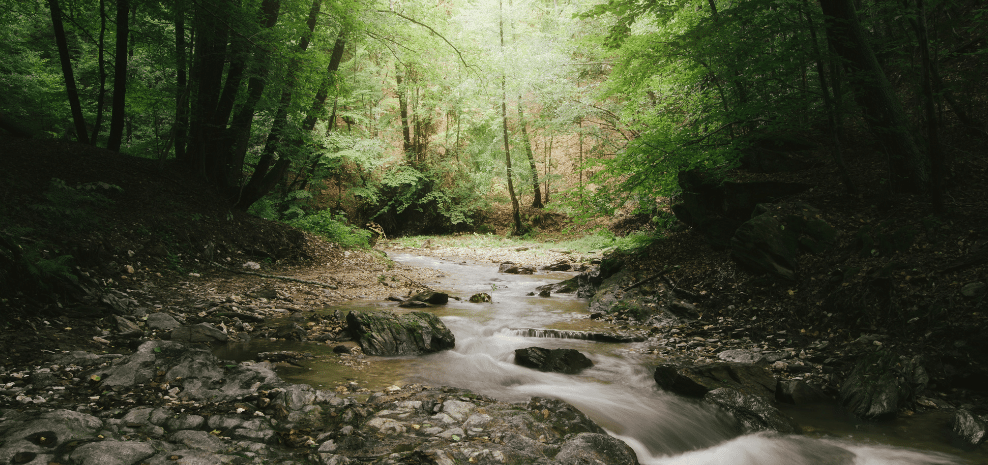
column 148, row 235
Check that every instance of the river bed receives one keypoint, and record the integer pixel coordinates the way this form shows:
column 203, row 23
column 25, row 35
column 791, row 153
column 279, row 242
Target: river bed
column 618, row 392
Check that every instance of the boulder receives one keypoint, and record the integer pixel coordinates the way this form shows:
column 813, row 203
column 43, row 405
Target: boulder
column 593, row 448
column 162, row 321
column 762, row 243
column 698, row 380
column 561, row 265
column 413, row 304
column 753, row 412
column 716, row 208
column 514, row 268
column 385, row 333
column 202, row 332
column 799, row 392
column 126, row 327
column 881, row 383
column 569, row 361
column 967, row 427
column 563, row 287
column 480, row 298
column 432, row 297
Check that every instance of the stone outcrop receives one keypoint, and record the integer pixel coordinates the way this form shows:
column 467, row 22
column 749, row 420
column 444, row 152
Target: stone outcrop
column 698, row 380
column 771, row 240
column 569, row 361
column 968, row 428
column 881, row 383
column 716, row 208
column 386, row 333
column 752, row 412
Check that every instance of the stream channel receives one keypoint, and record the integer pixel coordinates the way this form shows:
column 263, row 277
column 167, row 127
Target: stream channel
column 618, row 392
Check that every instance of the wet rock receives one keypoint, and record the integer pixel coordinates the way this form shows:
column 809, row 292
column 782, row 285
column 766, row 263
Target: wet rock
column 967, row 427
column 482, row 297
column 431, row 297
column 698, row 380
column 544, row 293
column 753, row 412
column 599, row 336
column 563, row 287
column 162, row 321
column 389, row 334
column 593, row 448
column 514, row 268
column 202, row 332
column 569, row 361
column 799, row 392
column 291, row 332
column 413, row 304
column 880, row 384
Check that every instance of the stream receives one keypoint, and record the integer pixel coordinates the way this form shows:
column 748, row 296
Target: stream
column 618, row 392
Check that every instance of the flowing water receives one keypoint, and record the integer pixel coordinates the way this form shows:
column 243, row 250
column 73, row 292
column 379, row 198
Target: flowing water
column 618, row 392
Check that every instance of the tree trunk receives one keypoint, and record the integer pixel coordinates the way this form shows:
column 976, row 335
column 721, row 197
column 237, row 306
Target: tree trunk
column 406, row 132
column 929, row 107
column 66, row 61
column 101, row 64
column 516, row 214
column 210, row 56
column 883, row 112
column 269, row 172
column 537, row 195
column 181, row 84
column 117, row 113
column 828, row 103
column 240, row 125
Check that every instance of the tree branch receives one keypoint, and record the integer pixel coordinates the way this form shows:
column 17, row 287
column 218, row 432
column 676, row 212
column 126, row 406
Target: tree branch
column 433, row 31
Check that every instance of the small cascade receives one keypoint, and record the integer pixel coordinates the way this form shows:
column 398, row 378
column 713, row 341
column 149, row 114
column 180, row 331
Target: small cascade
column 580, row 335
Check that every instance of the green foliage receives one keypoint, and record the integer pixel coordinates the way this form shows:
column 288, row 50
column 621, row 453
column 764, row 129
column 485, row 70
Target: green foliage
column 333, row 228
column 32, row 268
column 74, row 209
column 434, row 200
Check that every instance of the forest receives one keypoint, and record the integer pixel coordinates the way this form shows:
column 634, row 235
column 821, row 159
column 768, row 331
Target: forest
column 410, row 105
column 794, row 189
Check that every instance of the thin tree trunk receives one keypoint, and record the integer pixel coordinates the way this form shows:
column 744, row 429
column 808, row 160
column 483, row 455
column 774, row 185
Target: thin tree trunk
column 181, row 84
column 929, row 107
column 537, row 195
column 101, row 64
column 66, row 61
column 117, row 113
column 828, row 103
column 548, row 162
column 516, row 214
column 883, row 112
column 406, row 132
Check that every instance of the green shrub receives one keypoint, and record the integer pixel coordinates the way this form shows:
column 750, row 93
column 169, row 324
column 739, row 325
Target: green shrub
column 333, row 228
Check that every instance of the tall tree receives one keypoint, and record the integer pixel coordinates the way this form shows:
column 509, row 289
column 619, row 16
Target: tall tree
column 117, row 116
column 526, row 141
column 66, row 61
column 884, row 113
column 274, row 161
column 515, row 213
